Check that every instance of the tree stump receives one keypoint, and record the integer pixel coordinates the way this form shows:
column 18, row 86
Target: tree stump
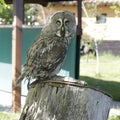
column 65, row 99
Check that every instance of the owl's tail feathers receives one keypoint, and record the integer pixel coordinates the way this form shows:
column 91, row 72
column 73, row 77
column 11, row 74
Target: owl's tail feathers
column 19, row 80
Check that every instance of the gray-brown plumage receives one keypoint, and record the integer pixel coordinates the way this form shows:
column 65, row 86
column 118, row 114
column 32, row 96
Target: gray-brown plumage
column 46, row 55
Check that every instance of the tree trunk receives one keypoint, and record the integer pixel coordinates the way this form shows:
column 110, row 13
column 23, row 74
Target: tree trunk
column 97, row 58
column 65, row 99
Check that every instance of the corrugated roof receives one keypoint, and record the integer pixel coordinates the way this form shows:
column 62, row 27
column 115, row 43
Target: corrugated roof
column 102, row 1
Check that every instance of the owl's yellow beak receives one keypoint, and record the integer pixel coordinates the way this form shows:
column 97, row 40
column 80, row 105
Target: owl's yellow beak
column 62, row 31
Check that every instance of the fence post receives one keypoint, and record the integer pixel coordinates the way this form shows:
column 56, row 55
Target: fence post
column 16, row 52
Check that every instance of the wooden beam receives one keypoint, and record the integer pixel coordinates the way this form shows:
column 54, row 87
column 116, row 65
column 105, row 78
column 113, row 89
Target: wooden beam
column 78, row 38
column 16, row 52
column 44, row 3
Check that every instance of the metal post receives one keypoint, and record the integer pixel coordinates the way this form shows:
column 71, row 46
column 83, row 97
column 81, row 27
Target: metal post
column 16, row 52
column 78, row 38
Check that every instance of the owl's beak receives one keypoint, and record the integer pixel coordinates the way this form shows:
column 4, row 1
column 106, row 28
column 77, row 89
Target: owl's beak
column 62, row 32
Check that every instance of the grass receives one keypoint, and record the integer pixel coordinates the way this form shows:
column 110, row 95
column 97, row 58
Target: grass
column 13, row 116
column 108, row 78
column 114, row 118
column 9, row 116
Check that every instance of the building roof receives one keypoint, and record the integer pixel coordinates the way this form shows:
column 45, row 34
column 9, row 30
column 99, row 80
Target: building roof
column 73, row 2
column 42, row 2
column 102, row 1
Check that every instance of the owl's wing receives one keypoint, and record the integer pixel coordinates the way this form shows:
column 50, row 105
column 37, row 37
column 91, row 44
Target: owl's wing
column 30, row 59
column 44, row 58
column 34, row 56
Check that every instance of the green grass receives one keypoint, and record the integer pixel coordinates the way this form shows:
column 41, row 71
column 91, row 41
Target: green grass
column 9, row 116
column 13, row 116
column 108, row 78
column 114, row 118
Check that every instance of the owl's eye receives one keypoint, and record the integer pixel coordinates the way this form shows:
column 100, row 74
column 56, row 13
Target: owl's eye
column 58, row 22
column 67, row 22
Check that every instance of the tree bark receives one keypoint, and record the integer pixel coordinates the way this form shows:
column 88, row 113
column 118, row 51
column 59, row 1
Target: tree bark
column 65, row 99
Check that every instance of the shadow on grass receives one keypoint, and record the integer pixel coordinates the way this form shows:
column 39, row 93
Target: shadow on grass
column 110, row 87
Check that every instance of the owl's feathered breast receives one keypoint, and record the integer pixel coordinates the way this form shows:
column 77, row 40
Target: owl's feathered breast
column 45, row 55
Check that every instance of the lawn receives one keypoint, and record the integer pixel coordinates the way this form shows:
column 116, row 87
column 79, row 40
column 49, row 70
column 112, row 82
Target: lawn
column 13, row 116
column 108, row 78
column 114, row 118
column 9, row 116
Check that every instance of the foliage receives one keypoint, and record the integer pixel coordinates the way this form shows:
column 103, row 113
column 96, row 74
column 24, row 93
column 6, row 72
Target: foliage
column 26, row 13
column 87, row 46
column 33, row 14
column 6, row 15
column 116, row 8
column 91, row 9
column 37, row 14
column 2, row 4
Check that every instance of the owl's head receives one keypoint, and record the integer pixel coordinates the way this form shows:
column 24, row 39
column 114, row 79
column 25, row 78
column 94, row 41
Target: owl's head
column 62, row 23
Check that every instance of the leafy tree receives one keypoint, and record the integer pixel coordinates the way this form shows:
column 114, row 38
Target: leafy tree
column 91, row 9
column 6, row 14
column 33, row 14
column 2, row 4
column 116, row 8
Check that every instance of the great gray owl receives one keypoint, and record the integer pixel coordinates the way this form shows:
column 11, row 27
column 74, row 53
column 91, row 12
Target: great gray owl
column 47, row 53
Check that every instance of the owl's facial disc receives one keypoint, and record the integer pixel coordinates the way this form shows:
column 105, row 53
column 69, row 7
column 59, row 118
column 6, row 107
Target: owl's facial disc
column 62, row 27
